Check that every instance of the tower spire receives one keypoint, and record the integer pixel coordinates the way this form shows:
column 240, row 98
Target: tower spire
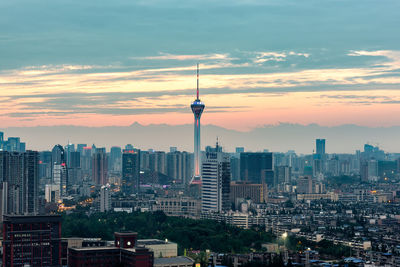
column 197, row 81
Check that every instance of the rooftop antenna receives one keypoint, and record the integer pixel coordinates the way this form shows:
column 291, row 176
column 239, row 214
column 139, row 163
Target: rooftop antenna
column 197, row 81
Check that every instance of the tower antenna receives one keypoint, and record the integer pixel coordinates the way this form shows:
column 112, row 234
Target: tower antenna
column 197, row 80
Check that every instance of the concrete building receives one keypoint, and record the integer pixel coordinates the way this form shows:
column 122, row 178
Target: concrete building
column 160, row 248
column 105, row 198
column 256, row 192
column 125, row 252
column 52, row 193
column 179, row 206
column 32, row 240
column 19, row 173
column 99, row 166
column 305, row 185
column 216, row 178
column 180, row 261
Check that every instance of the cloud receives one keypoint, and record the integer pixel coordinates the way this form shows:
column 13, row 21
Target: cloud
column 65, row 90
column 166, row 56
column 389, row 59
column 262, row 57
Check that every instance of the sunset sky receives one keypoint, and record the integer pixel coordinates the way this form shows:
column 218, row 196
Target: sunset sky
column 99, row 63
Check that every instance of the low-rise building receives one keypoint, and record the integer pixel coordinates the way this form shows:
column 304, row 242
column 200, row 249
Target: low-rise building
column 173, row 262
column 161, row 249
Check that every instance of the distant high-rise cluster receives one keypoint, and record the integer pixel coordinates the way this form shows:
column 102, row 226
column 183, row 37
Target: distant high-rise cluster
column 12, row 144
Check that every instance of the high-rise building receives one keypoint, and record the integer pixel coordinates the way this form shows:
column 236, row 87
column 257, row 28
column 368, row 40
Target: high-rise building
column 129, row 147
column 283, row 175
column 305, row 185
column 257, row 168
column 320, row 147
column 60, row 178
column 74, row 168
column 242, row 190
column 105, row 198
column 14, row 144
column 31, row 172
column 68, row 149
column 115, row 159
column 80, row 147
column 174, row 165
column 31, row 241
column 86, row 161
column 239, row 150
column 58, row 155
column 45, row 161
column 235, row 167
column 197, row 108
column 99, row 166
column 19, row 174
column 216, row 179
column 157, row 162
column 130, row 183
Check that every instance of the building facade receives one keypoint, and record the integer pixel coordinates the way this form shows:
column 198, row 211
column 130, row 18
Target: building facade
column 31, row 241
column 216, row 178
column 130, row 183
column 19, row 173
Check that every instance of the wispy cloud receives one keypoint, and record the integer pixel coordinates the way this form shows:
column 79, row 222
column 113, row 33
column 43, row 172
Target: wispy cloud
column 200, row 57
column 262, row 57
column 60, row 91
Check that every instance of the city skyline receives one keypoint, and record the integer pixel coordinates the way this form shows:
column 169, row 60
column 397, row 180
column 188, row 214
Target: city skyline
column 134, row 64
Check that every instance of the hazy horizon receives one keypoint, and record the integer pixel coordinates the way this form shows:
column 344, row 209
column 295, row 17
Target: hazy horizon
column 275, row 138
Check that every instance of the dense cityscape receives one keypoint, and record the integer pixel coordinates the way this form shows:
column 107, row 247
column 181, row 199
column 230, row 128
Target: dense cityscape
column 83, row 205
column 199, row 133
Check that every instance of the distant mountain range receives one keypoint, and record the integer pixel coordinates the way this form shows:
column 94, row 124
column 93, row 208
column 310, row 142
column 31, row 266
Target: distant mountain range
column 276, row 138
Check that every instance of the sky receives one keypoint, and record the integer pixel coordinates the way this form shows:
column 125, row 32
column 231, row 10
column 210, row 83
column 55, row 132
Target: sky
column 262, row 62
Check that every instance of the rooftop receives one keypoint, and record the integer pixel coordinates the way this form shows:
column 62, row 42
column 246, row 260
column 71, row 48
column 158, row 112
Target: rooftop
column 173, row 260
column 144, row 242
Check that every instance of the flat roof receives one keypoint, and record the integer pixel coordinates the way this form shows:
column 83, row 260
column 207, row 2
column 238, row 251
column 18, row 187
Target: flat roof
column 125, row 233
column 94, row 248
column 32, row 218
column 153, row 242
column 173, row 260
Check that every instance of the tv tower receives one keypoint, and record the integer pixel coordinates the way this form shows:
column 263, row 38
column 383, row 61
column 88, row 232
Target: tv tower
column 197, row 108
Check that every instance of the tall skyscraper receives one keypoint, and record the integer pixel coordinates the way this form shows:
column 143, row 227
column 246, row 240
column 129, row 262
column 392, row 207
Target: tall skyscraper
column 74, row 168
column 320, row 146
column 19, row 175
column 216, row 179
column 197, row 108
column 257, row 168
column 99, row 166
column 130, row 183
column 115, row 159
